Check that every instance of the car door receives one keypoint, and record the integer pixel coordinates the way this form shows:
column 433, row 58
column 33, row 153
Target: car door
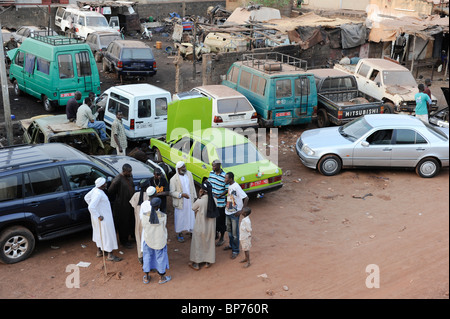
column 46, row 200
column 181, row 149
column 409, row 148
column 81, row 179
column 199, row 165
column 67, row 82
column 374, row 150
column 84, row 72
column 160, row 118
column 301, row 91
column 145, row 117
column 28, row 74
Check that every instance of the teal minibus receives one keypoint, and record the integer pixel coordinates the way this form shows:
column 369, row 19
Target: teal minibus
column 277, row 85
column 52, row 69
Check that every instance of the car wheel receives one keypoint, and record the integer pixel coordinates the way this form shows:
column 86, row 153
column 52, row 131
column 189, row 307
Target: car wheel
column 48, row 105
column 329, row 165
column 322, row 118
column 17, row 90
column 16, row 243
column 428, row 167
column 388, row 108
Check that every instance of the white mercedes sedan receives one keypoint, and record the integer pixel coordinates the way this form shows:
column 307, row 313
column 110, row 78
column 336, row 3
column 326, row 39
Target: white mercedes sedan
column 378, row 140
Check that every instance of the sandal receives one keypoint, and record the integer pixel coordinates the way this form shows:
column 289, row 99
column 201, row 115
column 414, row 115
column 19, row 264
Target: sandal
column 166, row 279
column 114, row 258
column 180, row 239
column 146, row 279
column 194, row 266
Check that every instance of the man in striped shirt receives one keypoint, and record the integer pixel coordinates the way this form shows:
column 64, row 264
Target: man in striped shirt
column 219, row 190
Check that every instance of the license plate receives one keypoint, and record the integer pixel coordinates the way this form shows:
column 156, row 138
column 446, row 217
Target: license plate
column 283, row 114
column 237, row 117
column 259, row 183
column 67, row 94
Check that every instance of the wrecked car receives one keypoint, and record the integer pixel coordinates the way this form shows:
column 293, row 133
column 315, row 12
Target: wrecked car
column 387, row 81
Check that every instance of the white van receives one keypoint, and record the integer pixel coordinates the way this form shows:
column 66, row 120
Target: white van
column 144, row 109
column 229, row 108
column 84, row 22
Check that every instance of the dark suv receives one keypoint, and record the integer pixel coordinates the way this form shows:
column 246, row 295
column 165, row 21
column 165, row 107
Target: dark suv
column 129, row 58
column 42, row 189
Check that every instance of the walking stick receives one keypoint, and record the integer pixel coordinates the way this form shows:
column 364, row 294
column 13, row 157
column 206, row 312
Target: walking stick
column 103, row 251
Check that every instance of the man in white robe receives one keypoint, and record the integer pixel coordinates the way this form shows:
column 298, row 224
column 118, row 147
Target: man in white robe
column 103, row 231
column 183, row 194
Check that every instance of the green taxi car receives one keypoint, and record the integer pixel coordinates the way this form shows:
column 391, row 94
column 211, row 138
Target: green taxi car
column 198, row 149
column 57, row 129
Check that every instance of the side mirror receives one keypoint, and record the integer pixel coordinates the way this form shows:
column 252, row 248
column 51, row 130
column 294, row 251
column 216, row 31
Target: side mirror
column 365, row 144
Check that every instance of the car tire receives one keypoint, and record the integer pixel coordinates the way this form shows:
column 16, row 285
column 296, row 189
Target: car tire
column 17, row 90
column 428, row 167
column 49, row 106
column 388, row 108
column 16, row 244
column 329, row 165
column 322, row 118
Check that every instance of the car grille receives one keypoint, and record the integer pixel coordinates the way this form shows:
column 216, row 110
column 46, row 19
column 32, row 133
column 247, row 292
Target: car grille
column 299, row 144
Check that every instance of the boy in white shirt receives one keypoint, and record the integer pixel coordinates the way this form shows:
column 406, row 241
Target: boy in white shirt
column 245, row 235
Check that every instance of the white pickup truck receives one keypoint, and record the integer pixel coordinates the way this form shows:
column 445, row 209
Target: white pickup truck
column 387, row 81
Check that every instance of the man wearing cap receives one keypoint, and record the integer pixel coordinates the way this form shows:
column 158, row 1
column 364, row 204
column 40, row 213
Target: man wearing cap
column 183, row 194
column 136, row 201
column 103, row 231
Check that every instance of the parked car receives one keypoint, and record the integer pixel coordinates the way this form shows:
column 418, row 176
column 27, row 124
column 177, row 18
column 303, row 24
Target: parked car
column 129, row 58
column 144, row 109
column 99, row 41
column 199, row 149
column 28, row 31
column 340, row 100
column 378, row 140
column 229, row 107
column 52, row 69
column 42, row 189
column 57, row 129
column 278, row 86
column 82, row 22
column 387, row 81
column 440, row 117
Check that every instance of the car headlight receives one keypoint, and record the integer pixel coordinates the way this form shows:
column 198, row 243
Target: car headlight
column 434, row 103
column 404, row 103
column 307, row 150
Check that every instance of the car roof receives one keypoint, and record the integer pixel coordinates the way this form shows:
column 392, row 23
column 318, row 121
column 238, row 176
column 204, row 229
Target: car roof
column 48, row 49
column 286, row 69
column 131, row 43
column 385, row 64
column 219, row 91
column 58, row 125
column 143, row 89
column 228, row 137
column 396, row 120
column 106, row 33
column 26, row 155
column 324, row 73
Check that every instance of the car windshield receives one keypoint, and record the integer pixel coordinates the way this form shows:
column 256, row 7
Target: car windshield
column 402, row 78
column 137, row 54
column 234, row 105
column 96, row 22
column 105, row 40
column 239, row 154
column 355, row 129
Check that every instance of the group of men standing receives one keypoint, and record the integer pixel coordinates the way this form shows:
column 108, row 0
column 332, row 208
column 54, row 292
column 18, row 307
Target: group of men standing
column 142, row 215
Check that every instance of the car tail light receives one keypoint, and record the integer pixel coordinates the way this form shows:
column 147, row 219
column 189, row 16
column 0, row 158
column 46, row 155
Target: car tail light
column 154, row 65
column 119, row 64
column 274, row 179
column 132, row 124
column 382, row 109
column 340, row 115
column 254, row 115
column 314, row 111
column 55, row 94
column 217, row 119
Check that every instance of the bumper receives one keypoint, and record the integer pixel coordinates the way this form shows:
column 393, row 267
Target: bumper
column 136, row 73
column 308, row 161
column 266, row 189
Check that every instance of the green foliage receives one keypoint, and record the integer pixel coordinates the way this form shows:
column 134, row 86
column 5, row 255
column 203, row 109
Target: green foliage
column 274, row 3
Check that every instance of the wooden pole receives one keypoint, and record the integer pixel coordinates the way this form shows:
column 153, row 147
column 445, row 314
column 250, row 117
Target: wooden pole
column 5, row 94
column 414, row 50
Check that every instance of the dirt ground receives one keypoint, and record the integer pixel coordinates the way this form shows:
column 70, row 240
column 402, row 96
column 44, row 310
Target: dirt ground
column 316, row 238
